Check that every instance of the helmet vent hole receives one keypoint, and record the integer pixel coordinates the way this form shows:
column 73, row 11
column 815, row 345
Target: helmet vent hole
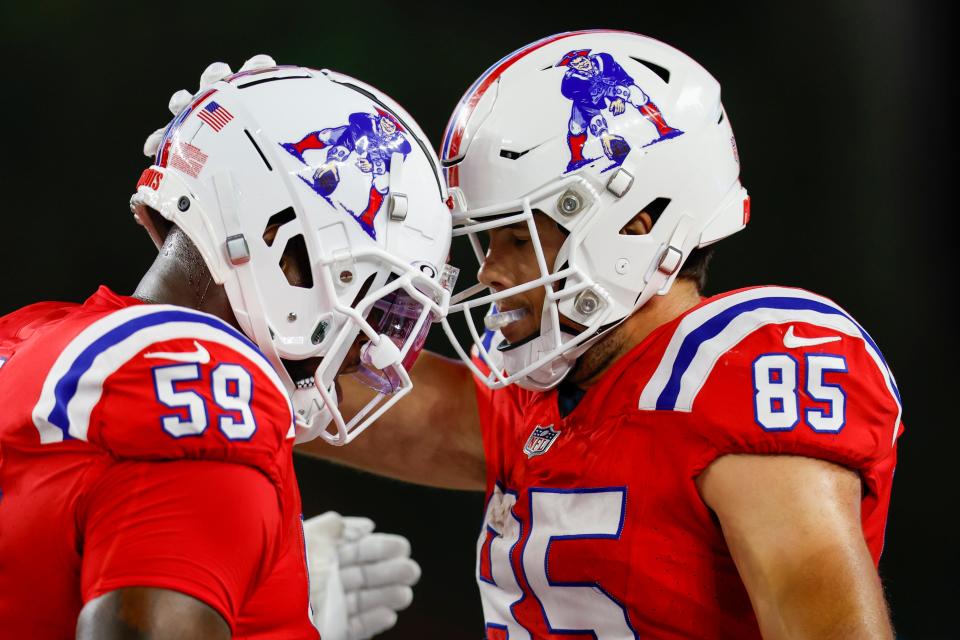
column 720, row 119
column 276, row 221
column 512, row 155
column 654, row 209
column 363, row 291
column 295, row 263
column 253, row 83
column 657, row 69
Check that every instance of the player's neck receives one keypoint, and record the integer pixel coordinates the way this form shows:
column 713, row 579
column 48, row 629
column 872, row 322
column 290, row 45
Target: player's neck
column 180, row 278
column 660, row 310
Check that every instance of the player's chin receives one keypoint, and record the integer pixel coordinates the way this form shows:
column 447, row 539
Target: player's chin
column 519, row 331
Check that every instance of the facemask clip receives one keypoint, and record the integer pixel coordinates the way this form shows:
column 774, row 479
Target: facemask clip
column 380, row 355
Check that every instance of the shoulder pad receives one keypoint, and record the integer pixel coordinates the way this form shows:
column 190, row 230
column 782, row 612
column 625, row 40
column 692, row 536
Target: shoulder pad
column 76, row 382
column 711, row 332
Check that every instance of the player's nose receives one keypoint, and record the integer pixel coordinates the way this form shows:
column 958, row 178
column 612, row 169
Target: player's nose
column 493, row 272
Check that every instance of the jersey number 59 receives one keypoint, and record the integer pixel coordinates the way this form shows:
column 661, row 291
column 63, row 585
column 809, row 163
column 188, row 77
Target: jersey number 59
column 231, row 387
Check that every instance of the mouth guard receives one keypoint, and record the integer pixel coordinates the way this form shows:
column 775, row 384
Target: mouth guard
column 499, row 320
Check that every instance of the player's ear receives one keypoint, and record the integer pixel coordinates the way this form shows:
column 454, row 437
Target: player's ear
column 640, row 225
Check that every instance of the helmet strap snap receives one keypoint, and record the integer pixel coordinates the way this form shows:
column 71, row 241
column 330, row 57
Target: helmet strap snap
column 620, row 182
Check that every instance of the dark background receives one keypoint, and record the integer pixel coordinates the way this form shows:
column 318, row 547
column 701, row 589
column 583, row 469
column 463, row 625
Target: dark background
column 841, row 114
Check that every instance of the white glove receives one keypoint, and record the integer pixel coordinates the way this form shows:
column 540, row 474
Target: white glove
column 359, row 580
column 213, row 73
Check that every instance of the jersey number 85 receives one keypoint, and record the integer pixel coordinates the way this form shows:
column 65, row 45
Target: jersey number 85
column 777, row 398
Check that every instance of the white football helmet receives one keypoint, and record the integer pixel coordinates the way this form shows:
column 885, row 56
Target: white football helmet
column 590, row 128
column 315, row 169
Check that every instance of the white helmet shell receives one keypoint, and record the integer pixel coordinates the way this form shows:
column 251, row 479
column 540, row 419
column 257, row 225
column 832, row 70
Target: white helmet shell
column 294, row 164
column 591, row 128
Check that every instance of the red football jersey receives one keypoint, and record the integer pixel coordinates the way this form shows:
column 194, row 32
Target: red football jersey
column 144, row 445
column 594, row 527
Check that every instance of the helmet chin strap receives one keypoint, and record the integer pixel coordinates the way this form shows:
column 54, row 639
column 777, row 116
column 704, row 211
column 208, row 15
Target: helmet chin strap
column 545, row 377
column 316, row 416
column 553, row 372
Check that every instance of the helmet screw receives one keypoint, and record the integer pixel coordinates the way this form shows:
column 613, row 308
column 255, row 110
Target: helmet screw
column 346, row 277
column 291, row 317
column 587, row 302
column 622, row 266
column 183, row 203
column 570, row 203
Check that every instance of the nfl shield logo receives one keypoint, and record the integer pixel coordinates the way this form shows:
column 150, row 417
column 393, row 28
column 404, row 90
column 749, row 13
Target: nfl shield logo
column 540, row 440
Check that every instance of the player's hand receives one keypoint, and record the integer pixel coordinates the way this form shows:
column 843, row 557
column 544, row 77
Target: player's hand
column 180, row 99
column 364, row 165
column 606, row 139
column 617, row 106
column 328, row 171
column 359, row 579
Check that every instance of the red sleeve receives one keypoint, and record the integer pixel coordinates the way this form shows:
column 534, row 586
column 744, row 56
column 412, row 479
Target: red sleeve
column 206, row 529
column 800, row 389
column 227, row 405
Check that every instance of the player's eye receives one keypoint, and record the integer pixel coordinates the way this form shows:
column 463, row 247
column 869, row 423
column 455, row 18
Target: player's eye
column 520, row 238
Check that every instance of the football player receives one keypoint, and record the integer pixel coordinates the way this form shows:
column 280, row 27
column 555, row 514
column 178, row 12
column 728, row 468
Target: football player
column 657, row 464
column 145, row 444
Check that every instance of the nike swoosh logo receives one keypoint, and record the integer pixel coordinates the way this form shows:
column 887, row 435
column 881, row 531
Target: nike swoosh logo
column 200, row 356
column 791, row 341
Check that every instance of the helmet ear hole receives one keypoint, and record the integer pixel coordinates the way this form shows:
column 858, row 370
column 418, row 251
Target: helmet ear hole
column 276, row 221
column 653, row 210
column 295, row 263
